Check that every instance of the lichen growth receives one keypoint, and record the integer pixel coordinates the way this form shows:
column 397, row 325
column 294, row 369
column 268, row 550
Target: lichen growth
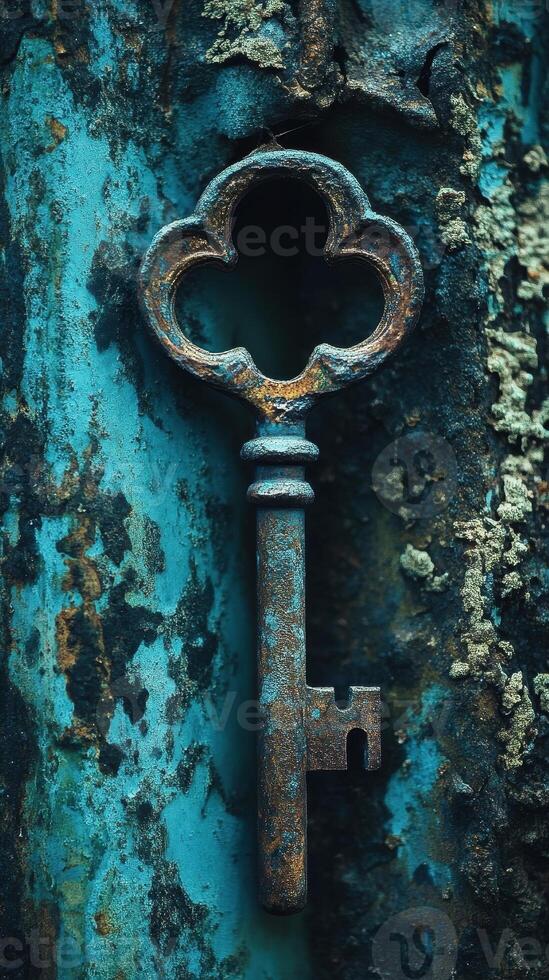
column 536, row 159
column 464, row 122
column 453, row 229
column 245, row 31
column 415, row 563
column 513, row 357
column 541, row 687
column 459, row 670
column 496, row 547
column 419, row 565
column 533, row 243
column 494, row 229
column 511, row 582
column 516, row 703
column 487, row 545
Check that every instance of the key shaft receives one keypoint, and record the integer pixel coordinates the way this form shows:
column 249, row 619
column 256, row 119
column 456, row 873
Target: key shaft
column 280, row 493
column 302, row 728
column 282, row 748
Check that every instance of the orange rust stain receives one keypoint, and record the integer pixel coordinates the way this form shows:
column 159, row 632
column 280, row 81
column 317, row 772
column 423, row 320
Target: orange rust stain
column 80, row 54
column 79, row 732
column 58, row 132
column 69, row 646
column 66, row 651
column 79, row 625
column 69, row 649
column 69, row 483
column 82, row 574
column 542, row 490
column 103, row 923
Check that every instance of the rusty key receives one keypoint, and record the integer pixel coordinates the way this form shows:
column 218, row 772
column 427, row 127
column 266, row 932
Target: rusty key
column 303, row 729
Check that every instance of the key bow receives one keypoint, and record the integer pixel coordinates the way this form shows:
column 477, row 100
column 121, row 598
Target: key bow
column 355, row 231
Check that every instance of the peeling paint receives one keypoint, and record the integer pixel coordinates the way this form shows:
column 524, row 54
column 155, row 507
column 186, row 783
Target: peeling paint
column 126, row 829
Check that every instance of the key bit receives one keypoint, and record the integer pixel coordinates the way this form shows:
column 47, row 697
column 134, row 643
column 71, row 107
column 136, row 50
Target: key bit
column 303, row 729
column 327, row 726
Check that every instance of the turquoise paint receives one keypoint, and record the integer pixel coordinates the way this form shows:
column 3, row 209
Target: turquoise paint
column 88, row 852
column 492, row 176
column 241, row 100
column 176, row 464
column 493, row 117
column 531, row 132
column 526, row 15
column 528, row 18
column 493, row 172
column 410, row 793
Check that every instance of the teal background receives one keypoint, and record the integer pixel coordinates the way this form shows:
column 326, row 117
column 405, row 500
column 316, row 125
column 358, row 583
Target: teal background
column 127, row 821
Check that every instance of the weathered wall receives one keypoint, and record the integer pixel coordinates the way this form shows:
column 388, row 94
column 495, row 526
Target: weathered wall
column 127, row 781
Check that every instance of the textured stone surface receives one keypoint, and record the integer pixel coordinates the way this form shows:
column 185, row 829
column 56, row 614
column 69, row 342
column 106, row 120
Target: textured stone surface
column 126, row 824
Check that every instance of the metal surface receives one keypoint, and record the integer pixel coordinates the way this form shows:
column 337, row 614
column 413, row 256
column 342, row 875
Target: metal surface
column 302, row 727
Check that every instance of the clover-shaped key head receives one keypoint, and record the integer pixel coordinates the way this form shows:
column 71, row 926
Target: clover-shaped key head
column 355, row 231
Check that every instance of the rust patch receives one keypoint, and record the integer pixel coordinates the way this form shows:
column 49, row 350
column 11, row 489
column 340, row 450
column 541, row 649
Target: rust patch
column 58, row 132
column 317, row 41
column 82, row 573
column 66, row 653
column 103, row 923
column 80, row 640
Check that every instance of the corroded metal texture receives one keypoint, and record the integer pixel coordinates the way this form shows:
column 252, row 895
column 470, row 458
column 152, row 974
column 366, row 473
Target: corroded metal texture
column 317, row 41
column 302, row 728
column 282, row 747
column 355, row 232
